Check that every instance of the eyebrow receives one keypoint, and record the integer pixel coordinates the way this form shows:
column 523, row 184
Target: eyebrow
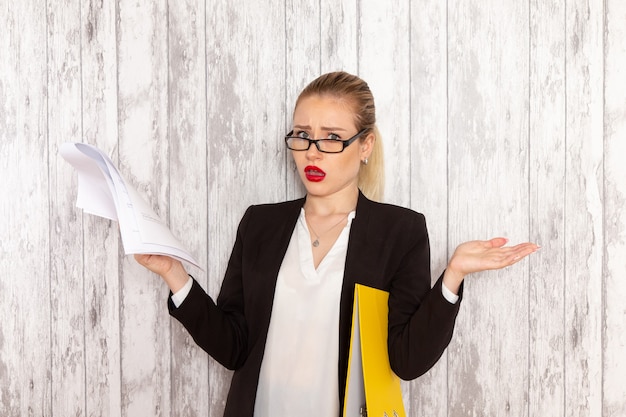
column 326, row 128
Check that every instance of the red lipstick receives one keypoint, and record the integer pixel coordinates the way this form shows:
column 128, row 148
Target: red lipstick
column 314, row 173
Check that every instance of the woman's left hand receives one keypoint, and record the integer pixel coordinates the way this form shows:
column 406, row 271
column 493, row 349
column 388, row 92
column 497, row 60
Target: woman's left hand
column 482, row 255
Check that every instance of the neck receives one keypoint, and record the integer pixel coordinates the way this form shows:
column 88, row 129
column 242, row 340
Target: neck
column 338, row 203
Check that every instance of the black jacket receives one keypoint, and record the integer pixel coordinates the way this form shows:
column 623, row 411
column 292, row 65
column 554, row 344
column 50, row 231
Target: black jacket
column 388, row 249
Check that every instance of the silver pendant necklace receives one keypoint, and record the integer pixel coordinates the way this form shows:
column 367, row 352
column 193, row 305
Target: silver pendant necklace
column 316, row 242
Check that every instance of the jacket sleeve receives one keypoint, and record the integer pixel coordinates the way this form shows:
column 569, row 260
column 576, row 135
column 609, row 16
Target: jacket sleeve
column 219, row 328
column 421, row 320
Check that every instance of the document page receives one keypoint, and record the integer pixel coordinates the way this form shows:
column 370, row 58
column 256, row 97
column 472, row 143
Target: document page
column 103, row 191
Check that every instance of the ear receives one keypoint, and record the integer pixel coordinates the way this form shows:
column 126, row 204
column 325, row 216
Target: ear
column 367, row 145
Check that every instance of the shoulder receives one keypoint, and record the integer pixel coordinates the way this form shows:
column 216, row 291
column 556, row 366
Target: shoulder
column 389, row 214
column 392, row 209
column 390, row 224
column 271, row 215
column 274, row 209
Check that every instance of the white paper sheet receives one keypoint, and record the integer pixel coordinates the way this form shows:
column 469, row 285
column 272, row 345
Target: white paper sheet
column 102, row 191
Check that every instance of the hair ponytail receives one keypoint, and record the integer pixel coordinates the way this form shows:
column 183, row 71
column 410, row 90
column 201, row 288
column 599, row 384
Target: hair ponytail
column 372, row 174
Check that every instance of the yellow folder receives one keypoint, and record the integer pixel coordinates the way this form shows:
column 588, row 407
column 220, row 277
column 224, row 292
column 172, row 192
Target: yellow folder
column 372, row 388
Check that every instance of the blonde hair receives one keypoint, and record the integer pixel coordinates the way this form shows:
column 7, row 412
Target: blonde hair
column 358, row 95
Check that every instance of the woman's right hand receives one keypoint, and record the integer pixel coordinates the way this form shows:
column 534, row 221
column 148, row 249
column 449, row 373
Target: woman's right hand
column 171, row 270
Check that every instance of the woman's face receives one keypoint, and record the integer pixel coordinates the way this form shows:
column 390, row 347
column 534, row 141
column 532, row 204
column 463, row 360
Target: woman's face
column 326, row 174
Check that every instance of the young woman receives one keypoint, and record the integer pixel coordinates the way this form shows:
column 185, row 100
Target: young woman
column 282, row 319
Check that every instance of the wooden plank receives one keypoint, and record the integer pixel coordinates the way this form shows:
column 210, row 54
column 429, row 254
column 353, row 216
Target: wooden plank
column 547, row 211
column 143, row 159
column 614, row 332
column 488, row 192
column 384, row 57
column 303, row 61
column 245, row 122
column 428, row 168
column 101, row 241
column 338, row 36
column 66, row 260
column 188, row 190
column 25, row 379
column 583, row 208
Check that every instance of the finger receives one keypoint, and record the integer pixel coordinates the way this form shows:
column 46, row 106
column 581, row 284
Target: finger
column 522, row 247
column 140, row 258
column 504, row 257
column 523, row 251
column 525, row 245
column 498, row 242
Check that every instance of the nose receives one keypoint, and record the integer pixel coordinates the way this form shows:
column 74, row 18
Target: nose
column 313, row 153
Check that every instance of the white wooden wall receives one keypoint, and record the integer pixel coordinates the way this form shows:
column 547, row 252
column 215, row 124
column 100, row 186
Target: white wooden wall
column 499, row 118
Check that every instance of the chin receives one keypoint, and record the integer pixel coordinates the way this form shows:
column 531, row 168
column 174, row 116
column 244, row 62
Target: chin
column 316, row 188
